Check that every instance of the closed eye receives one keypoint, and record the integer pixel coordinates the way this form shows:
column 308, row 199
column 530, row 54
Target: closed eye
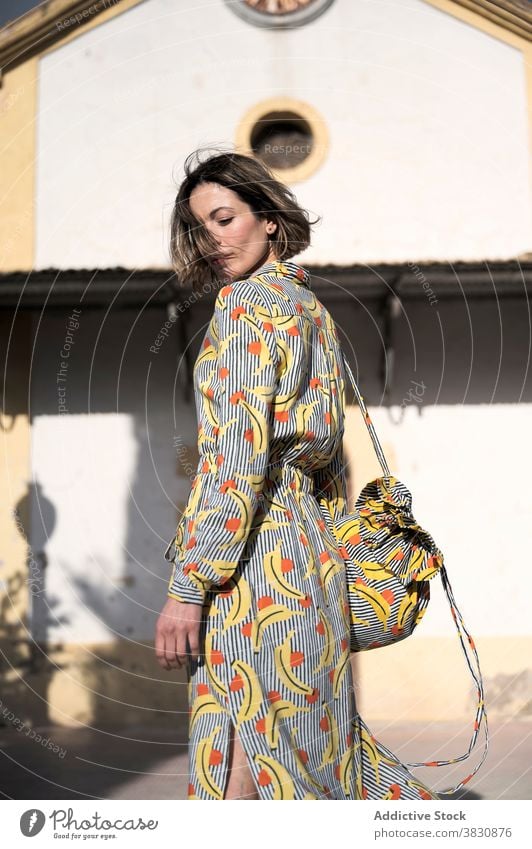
column 225, row 221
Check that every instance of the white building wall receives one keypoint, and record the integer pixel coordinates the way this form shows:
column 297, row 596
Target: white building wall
column 85, row 465
column 427, row 119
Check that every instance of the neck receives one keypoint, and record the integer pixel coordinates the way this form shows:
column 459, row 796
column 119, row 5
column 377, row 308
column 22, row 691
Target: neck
column 268, row 256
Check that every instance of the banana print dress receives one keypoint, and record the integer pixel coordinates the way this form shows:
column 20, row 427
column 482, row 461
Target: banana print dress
column 253, row 548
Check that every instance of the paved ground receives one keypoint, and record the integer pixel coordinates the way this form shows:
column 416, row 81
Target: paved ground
column 145, row 763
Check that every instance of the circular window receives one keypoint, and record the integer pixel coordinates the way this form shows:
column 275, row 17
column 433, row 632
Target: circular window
column 278, row 13
column 282, row 139
column 287, row 135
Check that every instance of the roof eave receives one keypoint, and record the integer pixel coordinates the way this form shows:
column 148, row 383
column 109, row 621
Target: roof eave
column 41, row 27
column 513, row 15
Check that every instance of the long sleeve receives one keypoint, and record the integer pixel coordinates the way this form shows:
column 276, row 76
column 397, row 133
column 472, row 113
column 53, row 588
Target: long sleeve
column 247, row 375
column 331, row 486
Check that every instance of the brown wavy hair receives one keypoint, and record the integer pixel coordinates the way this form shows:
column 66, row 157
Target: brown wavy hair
column 255, row 184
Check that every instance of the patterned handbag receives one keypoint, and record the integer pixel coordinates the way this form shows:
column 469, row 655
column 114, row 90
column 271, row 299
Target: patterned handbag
column 389, row 560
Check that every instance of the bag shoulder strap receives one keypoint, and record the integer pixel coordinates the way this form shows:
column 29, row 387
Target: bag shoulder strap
column 466, row 640
column 367, row 419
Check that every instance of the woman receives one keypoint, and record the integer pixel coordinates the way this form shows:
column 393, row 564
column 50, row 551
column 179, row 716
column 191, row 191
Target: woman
column 257, row 606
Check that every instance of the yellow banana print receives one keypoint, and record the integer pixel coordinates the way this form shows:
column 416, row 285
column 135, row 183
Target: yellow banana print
column 277, row 711
column 415, row 563
column 303, row 413
column 416, row 559
column 350, row 532
column 252, row 697
column 226, row 426
column 330, row 725
column 241, row 601
column 206, row 703
column 369, row 745
column 340, row 671
column 212, row 656
column 223, row 569
column 358, row 779
column 376, row 599
column 371, row 750
column 273, row 772
column 283, row 663
column 205, row 355
column 356, row 620
column 310, row 568
column 259, row 428
column 273, row 569
column 207, row 392
column 406, row 606
column 270, row 615
column 243, row 503
column 374, row 571
column 329, row 569
column 325, row 629
column 286, row 322
column 283, row 403
column 286, row 360
column 345, row 770
column 204, row 758
column 193, row 502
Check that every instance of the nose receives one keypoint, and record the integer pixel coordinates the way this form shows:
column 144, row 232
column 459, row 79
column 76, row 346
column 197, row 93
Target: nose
column 213, row 237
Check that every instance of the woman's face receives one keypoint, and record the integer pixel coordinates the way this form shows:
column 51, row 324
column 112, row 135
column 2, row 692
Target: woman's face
column 242, row 239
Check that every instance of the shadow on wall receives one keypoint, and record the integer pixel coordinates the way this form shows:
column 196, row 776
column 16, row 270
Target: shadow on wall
column 27, row 663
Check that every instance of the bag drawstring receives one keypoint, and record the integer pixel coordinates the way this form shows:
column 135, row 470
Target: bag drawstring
column 481, row 716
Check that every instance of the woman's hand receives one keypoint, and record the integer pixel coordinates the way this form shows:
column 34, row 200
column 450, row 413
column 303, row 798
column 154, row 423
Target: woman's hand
column 177, row 623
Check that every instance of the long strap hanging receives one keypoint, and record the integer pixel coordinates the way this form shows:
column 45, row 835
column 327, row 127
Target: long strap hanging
column 367, row 419
column 466, row 640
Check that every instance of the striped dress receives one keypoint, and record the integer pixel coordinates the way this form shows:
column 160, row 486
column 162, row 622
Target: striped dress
column 253, row 548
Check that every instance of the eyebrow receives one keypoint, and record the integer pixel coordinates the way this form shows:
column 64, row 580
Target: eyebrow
column 213, row 212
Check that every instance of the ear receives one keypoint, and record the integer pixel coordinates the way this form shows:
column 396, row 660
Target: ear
column 271, row 227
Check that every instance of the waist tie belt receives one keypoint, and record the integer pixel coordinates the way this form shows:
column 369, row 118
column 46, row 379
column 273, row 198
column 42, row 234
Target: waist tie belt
column 277, row 476
column 276, row 473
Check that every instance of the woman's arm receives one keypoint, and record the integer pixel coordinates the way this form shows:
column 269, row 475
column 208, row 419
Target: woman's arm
column 248, row 364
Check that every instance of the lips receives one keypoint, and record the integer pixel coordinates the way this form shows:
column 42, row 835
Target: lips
column 222, row 258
